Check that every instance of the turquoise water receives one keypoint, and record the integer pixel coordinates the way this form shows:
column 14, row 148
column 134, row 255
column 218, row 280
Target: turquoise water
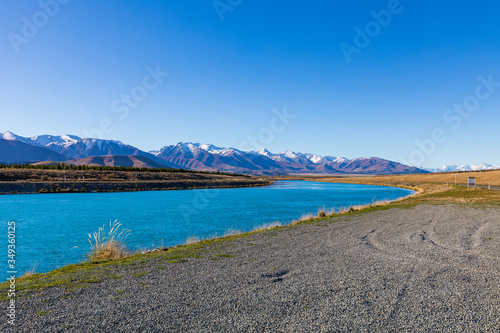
column 52, row 229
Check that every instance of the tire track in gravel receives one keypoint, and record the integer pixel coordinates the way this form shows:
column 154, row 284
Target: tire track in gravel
column 426, row 246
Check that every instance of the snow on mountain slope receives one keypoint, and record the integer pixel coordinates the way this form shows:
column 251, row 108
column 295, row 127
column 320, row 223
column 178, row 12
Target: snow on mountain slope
column 467, row 167
column 11, row 136
column 71, row 147
column 208, row 157
column 314, row 158
column 337, row 159
column 53, row 142
column 16, row 151
column 263, row 151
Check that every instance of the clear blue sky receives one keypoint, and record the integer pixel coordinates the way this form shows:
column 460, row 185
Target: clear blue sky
column 227, row 76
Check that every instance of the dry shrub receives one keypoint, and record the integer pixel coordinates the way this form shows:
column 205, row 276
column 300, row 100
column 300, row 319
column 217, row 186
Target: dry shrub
column 232, row 232
column 110, row 245
column 30, row 272
column 268, row 226
column 192, row 240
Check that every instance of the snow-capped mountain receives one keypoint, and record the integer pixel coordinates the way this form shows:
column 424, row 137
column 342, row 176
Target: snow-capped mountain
column 208, row 157
column 468, row 167
column 194, row 156
column 14, row 151
column 71, row 147
column 53, row 142
column 336, row 159
column 263, row 151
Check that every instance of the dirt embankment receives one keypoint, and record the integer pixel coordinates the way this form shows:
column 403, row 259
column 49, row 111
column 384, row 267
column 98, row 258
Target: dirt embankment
column 16, row 181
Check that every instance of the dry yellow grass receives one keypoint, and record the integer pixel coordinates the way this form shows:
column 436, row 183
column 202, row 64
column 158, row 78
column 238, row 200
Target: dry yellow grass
column 108, row 246
column 30, row 272
column 267, row 226
column 482, row 178
column 429, row 191
column 192, row 240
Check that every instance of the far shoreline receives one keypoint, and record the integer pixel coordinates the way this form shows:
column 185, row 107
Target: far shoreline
column 93, row 180
column 9, row 188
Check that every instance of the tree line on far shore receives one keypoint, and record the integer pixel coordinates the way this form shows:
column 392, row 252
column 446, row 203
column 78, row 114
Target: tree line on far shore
column 64, row 166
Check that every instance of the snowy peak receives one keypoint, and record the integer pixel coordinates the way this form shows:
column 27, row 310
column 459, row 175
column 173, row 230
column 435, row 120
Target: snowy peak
column 10, row 136
column 263, row 152
column 53, row 142
column 314, row 158
column 210, row 148
column 197, row 148
column 337, row 159
column 467, row 167
column 289, row 154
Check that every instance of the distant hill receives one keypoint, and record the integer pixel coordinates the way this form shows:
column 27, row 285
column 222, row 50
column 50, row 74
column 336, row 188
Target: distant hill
column 19, row 152
column 118, row 160
column 468, row 167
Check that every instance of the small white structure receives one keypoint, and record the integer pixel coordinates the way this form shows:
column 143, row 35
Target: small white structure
column 472, row 181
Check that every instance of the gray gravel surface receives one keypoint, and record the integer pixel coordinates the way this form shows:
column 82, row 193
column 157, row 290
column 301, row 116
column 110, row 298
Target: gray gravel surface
column 432, row 268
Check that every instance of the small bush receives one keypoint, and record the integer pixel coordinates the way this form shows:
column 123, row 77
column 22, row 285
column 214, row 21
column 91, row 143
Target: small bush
column 30, row 272
column 268, row 226
column 192, row 240
column 321, row 214
column 108, row 246
column 231, row 232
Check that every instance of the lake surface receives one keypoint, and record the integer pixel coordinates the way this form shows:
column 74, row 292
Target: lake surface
column 52, row 229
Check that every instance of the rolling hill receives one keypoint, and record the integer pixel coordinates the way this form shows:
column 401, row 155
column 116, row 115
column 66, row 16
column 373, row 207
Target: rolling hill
column 117, row 160
column 19, row 152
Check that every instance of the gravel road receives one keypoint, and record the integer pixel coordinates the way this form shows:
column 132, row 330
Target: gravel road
column 432, row 268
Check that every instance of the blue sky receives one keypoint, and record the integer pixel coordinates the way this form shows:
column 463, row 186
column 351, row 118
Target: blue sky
column 232, row 65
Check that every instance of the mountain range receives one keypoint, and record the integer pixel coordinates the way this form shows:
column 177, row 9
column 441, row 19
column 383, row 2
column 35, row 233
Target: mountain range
column 75, row 150
column 208, row 157
column 467, row 167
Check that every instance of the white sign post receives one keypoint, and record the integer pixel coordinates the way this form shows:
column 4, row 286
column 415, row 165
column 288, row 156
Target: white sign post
column 472, row 181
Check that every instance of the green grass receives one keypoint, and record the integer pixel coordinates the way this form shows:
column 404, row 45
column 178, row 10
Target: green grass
column 77, row 276
column 43, row 313
column 225, row 255
column 460, row 194
column 176, row 261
